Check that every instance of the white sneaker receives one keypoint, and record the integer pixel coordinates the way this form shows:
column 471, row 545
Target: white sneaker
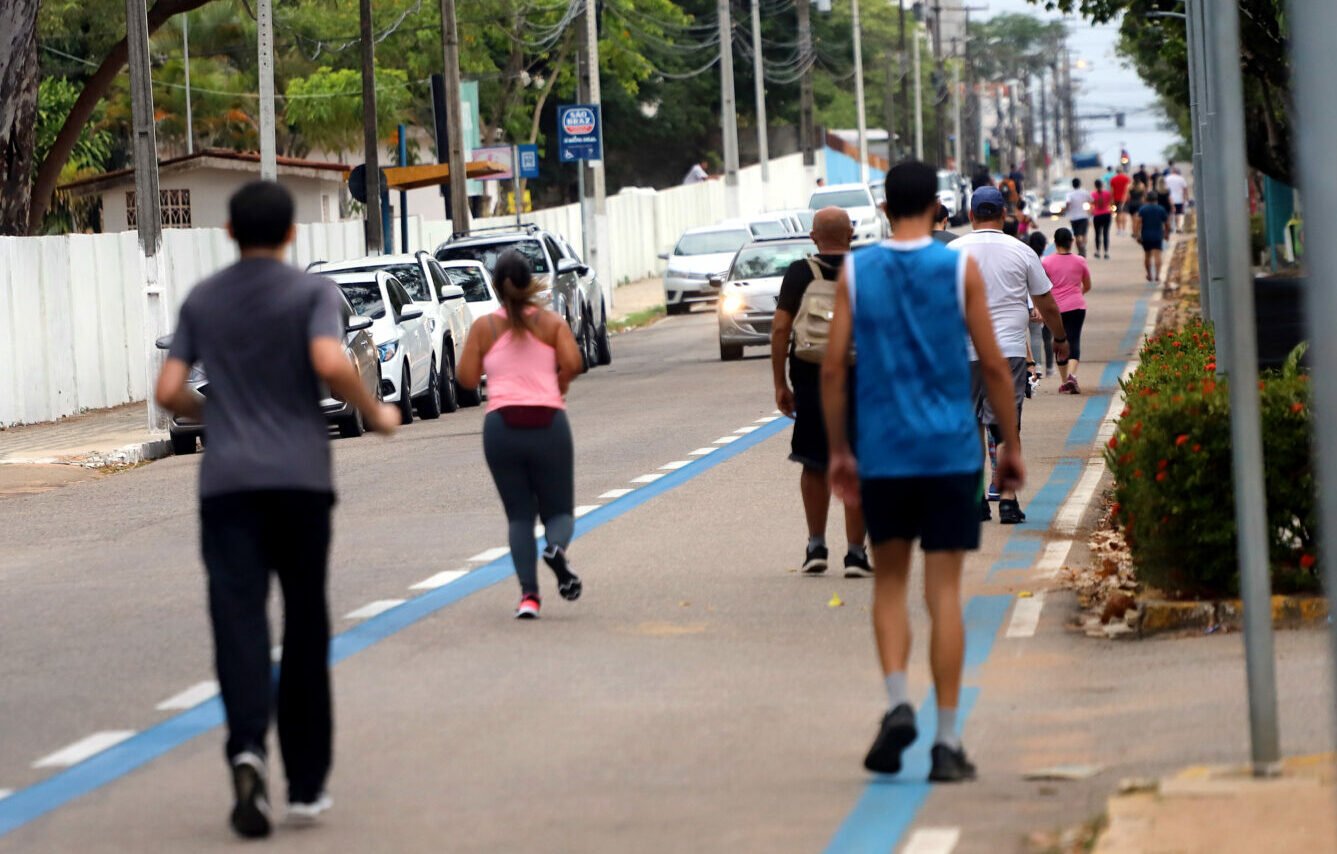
column 308, row 813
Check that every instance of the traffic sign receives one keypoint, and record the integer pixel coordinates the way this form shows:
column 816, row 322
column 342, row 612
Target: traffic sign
column 529, row 161
column 357, row 183
column 579, row 132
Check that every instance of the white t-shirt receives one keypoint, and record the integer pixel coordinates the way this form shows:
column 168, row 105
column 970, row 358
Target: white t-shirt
column 1177, row 186
column 695, row 175
column 1079, row 205
column 1012, row 274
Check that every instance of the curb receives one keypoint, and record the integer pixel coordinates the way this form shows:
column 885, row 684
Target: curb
column 1159, row 616
column 127, row 455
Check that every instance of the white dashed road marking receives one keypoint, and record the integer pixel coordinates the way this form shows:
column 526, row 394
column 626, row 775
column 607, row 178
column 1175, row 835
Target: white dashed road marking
column 726, row 440
column 189, row 698
column 585, row 509
column 1051, row 561
column 768, row 419
column 751, row 428
column 675, row 465
column 83, row 748
column 647, row 478
column 933, row 840
column 490, row 555
column 441, row 579
column 613, row 494
column 371, row 609
column 4, row 793
column 701, row 452
column 1026, row 616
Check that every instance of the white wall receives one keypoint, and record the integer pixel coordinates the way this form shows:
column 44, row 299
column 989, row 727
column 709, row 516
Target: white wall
column 72, row 307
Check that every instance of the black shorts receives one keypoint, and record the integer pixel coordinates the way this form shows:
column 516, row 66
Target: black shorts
column 1152, row 244
column 1179, row 207
column 1079, row 227
column 809, row 446
column 942, row 512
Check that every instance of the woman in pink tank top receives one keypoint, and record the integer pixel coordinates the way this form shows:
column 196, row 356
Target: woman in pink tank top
column 530, row 358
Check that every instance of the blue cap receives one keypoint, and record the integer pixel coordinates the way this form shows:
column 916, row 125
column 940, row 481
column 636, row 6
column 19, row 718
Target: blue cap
column 986, row 201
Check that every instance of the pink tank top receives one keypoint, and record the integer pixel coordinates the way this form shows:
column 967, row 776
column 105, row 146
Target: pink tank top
column 521, row 370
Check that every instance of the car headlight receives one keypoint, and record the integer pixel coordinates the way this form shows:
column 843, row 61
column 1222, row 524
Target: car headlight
column 388, row 350
column 732, row 303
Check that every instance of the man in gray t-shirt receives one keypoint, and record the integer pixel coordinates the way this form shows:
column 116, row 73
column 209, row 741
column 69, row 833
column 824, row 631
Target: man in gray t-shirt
column 267, row 336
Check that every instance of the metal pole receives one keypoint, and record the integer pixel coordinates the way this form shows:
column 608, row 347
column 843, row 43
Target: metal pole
column 459, row 188
column 905, row 79
column 940, row 148
column 956, row 113
column 1197, row 82
column 1242, row 359
column 859, row 106
column 759, row 81
column 1044, row 131
column 919, row 95
column 599, row 246
column 375, row 238
column 584, row 211
column 728, row 110
column 148, row 211
column 1314, row 63
column 515, row 182
column 264, row 38
column 889, row 106
column 185, row 59
column 806, row 130
column 403, row 194
column 1212, row 183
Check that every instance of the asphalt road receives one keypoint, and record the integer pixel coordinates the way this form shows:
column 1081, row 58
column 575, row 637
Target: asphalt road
column 700, row 697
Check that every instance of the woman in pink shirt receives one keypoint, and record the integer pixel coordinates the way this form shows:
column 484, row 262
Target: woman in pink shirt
column 1102, row 212
column 1072, row 279
column 530, row 358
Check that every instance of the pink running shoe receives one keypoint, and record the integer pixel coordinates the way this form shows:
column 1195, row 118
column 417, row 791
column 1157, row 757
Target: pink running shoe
column 528, row 608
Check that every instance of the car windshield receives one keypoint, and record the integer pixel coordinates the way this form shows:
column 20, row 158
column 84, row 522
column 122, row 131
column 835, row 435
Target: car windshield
column 365, row 297
column 409, row 275
column 768, row 228
column 487, row 253
column 475, row 289
column 841, row 199
column 763, row 262
column 712, row 242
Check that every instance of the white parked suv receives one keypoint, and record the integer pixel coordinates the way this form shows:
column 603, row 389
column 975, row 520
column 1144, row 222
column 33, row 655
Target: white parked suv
column 444, row 311
column 409, row 373
column 700, row 255
column 869, row 224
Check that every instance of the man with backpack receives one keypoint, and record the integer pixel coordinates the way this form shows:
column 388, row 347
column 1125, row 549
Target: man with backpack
column 798, row 336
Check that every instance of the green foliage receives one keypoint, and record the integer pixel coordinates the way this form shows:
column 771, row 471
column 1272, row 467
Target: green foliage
column 55, row 97
column 326, row 106
column 1171, row 458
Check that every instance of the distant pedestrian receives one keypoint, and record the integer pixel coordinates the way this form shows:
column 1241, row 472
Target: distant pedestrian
column 940, row 232
column 801, row 299
column 1119, row 186
column 1102, row 212
column 530, row 358
column 698, row 173
column 1018, row 178
column 908, row 305
column 1153, row 227
column 269, row 336
column 1079, row 213
column 1137, row 195
column 1179, row 195
column 1141, row 176
column 1014, row 280
column 1042, row 340
column 1072, row 282
column 980, row 178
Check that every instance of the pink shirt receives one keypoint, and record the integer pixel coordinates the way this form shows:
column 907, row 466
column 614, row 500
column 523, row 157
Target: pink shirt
column 521, row 369
column 1066, row 272
column 1102, row 202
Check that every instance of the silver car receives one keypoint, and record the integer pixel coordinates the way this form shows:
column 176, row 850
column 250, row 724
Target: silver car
column 751, row 289
column 702, row 254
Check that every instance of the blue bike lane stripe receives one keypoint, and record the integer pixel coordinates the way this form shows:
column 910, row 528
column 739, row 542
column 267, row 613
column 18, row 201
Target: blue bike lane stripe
column 889, row 804
column 38, row 799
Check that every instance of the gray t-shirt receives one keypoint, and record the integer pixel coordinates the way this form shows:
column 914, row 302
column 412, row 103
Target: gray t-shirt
column 250, row 327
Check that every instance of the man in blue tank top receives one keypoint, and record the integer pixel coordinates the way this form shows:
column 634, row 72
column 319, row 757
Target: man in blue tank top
column 907, row 306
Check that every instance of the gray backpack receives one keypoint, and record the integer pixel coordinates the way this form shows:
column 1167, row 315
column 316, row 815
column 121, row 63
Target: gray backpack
column 812, row 324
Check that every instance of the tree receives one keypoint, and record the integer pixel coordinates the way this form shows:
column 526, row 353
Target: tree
column 326, row 106
column 18, row 111
column 55, row 97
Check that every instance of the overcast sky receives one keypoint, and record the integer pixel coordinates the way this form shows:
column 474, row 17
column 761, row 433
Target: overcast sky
column 1107, row 84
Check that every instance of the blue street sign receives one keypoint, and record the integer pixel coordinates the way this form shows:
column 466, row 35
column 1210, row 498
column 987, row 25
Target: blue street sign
column 529, row 161
column 579, row 133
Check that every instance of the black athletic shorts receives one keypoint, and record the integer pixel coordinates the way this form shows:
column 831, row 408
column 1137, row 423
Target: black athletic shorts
column 809, row 446
column 942, row 512
column 1079, row 226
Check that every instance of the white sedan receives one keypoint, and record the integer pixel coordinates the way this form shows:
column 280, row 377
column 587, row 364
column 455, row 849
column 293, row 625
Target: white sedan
column 480, row 294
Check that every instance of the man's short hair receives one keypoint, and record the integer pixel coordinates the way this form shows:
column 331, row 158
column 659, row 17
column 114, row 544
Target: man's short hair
column 943, row 213
column 1152, row 196
column 912, row 188
column 1076, row 182
column 260, row 214
column 1063, row 238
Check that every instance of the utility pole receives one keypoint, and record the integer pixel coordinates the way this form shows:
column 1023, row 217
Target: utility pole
column 956, row 113
column 759, row 75
column 970, row 92
column 1058, row 116
column 728, row 109
column 370, row 143
column 806, row 130
column 859, row 106
column 598, row 256
column 889, row 106
column 939, row 123
column 459, row 187
column 919, row 90
column 185, row 61
column 1314, row 63
column 1227, row 198
column 1044, row 130
column 1197, row 88
column 148, row 212
column 264, row 38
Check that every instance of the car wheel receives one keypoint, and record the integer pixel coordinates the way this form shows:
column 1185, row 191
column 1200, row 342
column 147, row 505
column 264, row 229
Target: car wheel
column 182, row 443
column 450, row 400
column 730, row 352
column 429, row 405
column 351, row 426
column 468, row 396
column 591, row 341
column 405, row 402
column 604, row 347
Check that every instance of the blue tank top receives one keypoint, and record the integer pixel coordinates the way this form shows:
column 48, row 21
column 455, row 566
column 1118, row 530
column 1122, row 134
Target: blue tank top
column 916, row 413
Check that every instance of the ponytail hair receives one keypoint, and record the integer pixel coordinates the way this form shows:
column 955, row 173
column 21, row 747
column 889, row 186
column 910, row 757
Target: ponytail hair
column 515, row 287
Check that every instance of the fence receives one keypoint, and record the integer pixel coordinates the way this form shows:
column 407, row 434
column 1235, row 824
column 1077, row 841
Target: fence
column 72, row 306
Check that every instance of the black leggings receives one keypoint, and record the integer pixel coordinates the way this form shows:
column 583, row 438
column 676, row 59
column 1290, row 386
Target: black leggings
column 1102, row 226
column 1072, row 330
column 534, row 472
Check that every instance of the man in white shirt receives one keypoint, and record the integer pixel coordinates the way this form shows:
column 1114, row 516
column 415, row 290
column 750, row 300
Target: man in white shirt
column 1012, row 273
column 698, row 173
column 1079, row 214
column 1179, row 192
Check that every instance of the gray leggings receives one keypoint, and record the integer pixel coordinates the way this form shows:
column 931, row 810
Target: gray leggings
column 534, row 473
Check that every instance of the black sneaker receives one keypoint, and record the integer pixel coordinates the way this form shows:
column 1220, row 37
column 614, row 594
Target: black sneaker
column 1009, row 512
column 897, row 733
column 857, row 566
column 568, row 583
column 950, row 765
column 250, row 814
column 985, row 513
column 814, row 563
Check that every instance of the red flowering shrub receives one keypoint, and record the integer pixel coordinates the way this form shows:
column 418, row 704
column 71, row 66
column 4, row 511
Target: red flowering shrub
column 1181, row 521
